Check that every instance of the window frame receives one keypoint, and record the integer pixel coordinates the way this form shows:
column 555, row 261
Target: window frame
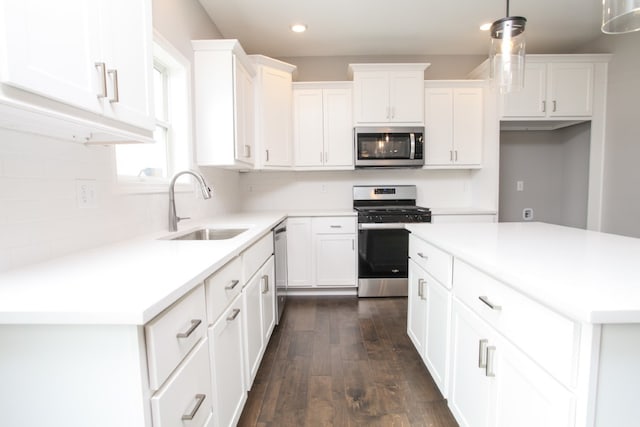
column 178, row 86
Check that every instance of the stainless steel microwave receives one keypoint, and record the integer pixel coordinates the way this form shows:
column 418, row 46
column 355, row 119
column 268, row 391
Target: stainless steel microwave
column 389, row 146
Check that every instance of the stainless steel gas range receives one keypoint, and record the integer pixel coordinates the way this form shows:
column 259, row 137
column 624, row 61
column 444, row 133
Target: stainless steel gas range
column 383, row 242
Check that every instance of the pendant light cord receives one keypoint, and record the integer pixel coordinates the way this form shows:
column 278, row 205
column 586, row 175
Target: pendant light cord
column 507, row 8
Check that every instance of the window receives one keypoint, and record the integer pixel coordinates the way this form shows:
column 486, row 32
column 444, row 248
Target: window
column 148, row 167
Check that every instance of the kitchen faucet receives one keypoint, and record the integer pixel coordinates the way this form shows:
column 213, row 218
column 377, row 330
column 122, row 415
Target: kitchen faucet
column 206, row 193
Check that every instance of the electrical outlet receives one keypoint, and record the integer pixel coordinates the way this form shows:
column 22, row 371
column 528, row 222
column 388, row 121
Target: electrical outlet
column 86, row 193
column 323, row 188
column 519, row 185
column 527, row 214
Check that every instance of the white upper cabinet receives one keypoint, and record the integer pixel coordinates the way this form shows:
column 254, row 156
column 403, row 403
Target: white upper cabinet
column 95, row 56
column 553, row 89
column 454, row 124
column 388, row 93
column 323, row 129
column 273, row 120
column 224, row 96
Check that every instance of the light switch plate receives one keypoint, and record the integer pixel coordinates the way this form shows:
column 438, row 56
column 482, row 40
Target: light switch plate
column 86, row 193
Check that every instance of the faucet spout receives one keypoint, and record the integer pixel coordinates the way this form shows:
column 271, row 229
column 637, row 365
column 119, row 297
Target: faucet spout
column 204, row 188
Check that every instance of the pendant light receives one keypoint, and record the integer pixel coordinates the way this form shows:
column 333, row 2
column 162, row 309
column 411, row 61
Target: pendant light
column 507, row 52
column 620, row 16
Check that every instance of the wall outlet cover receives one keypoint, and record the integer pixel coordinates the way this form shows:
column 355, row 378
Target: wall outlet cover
column 86, row 193
column 527, row 214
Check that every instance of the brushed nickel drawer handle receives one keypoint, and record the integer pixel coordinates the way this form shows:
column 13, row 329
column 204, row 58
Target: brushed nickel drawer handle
column 199, row 399
column 233, row 284
column 491, row 305
column 233, row 315
column 194, row 324
column 102, row 68
column 116, row 91
column 423, row 256
column 420, row 290
column 265, row 280
column 335, row 226
column 488, row 371
column 482, row 353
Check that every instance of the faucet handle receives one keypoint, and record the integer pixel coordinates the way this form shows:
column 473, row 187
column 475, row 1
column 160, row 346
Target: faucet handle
column 180, row 218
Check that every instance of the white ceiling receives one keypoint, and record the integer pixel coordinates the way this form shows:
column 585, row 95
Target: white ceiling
column 399, row 27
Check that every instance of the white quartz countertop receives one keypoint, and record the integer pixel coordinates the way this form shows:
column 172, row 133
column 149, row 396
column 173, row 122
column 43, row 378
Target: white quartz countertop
column 125, row 283
column 585, row 275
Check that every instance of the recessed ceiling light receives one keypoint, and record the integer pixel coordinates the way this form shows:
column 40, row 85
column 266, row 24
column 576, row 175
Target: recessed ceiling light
column 486, row 26
column 298, row 28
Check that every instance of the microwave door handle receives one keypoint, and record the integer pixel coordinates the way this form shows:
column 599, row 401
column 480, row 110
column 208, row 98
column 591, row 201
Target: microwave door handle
column 412, row 155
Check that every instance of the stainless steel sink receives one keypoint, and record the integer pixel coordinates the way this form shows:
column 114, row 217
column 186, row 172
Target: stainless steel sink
column 211, row 234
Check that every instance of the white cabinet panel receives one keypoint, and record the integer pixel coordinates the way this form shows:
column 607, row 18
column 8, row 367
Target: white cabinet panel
column 299, row 252
column 388, row 93
column 252, row 319
column 438, row 313
column 268, row 289
column 323, row 128
column 335, row 257
column 553, row 89
column 224, row 104
column 227, row 365
column 416, row 308
column 274, row 129
column 454, row 125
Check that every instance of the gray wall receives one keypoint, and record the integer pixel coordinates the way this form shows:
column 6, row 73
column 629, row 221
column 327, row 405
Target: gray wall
column 554, row 166
column 621, row 198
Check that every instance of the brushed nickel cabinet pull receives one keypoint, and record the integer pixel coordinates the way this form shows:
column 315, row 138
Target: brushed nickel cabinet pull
column 491, row 305
column 233, row 284
column 423, row 256
column 194, row 324
column 233, row 315
column 482, row 353
column 116, row 92
column 544, row 106
column 199, row 399
column 420, row 282
column 488, row 371
column 265, row 280
column 267, row 151
column 554, row 106
column 102, row 68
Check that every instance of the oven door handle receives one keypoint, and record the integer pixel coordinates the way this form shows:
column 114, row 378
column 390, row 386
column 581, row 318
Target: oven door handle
column 381, row 226
column 412, row 154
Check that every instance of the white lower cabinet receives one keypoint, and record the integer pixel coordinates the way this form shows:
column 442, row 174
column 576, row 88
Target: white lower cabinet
column 428, row 322
column 252, row 317
column 186, row 397
column 227, row 367
column 268, row 297
column 495, row 384
column 322, row 252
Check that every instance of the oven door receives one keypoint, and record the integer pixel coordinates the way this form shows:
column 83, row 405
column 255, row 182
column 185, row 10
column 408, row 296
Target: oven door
column 383, row 251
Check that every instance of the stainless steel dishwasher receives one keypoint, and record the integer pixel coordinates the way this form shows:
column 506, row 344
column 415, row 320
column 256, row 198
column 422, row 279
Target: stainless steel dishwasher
column 280, row 251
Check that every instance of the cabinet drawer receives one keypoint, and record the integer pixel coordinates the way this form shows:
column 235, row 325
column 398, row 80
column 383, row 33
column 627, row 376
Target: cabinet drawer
column 333, row 225
column 435, row 261
column 222, row 287
column 186, row 399
column 256, row 255
column 173, row 333
column 548, row 338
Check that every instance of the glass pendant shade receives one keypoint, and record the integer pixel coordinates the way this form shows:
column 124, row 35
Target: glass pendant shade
column 507, row 53
column 620, row 16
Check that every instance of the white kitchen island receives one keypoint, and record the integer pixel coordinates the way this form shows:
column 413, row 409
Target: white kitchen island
column 528, row 324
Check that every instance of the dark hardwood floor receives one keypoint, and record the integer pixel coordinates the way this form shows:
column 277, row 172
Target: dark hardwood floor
column 344, row 361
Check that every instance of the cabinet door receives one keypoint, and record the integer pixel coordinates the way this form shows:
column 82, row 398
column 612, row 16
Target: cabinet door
column 268, row 289
column 299, row 252
column 417, row 308
column 570, row 89
column 308, row 127
column 371, row 97
column 127, row 44
column 439, row 126
column 276, row 134
column 468, row 118
column 438, row 311
column 530, row 101
column 406, row 92
column 472, row 393
column 335, row 256
column 338, row 127
column 51, row 49
column 244, row 114
column 227, row 365
column 252, row 309
column 526, row 395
